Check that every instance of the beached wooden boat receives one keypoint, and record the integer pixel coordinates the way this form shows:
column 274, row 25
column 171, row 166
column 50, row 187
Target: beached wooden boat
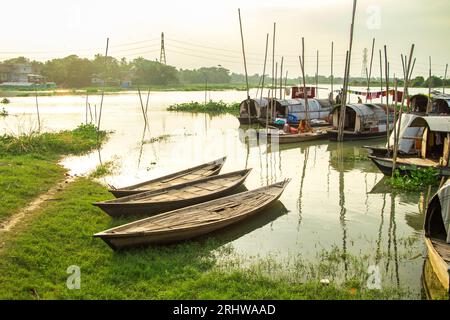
column 431, row 149
column 198, row 172
column 437, row 235
column 284, row 138
column 181, row 195
column 193, row 221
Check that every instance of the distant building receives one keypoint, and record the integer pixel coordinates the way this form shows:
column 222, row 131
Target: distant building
column 19, row 73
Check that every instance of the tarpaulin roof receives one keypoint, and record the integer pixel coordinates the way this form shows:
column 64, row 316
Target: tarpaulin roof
column 435, row 123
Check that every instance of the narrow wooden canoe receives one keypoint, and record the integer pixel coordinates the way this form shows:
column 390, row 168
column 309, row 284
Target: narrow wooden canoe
column 284, row 138
column 406, row 165
column 204, row 170
column 193, row 221
column 436, row 235
column 181, row 195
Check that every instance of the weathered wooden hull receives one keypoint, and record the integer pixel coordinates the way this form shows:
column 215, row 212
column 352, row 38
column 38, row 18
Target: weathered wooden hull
column 438, row 265
column 118, row 239
column 352, row 136
column 207, row 169
column 125, row 206
column 292, row 138
column 385, row 166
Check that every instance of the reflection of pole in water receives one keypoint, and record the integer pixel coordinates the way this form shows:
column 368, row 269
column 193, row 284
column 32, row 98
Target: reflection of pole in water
column 380, row 232
column 328, row 179
column 366, row 202
column 394, row 238
column 300, row 196
column 141, row 148
column 342, row 219
column 247, row 144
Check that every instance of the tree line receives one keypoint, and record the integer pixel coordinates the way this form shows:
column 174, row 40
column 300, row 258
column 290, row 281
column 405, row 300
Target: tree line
column 74, row 71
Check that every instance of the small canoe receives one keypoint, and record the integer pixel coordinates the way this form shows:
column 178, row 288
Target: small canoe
column 437, row 238
column 175, row 197
column 193, row 221
column 204, row 170
column 406, row 165
column 284, row 138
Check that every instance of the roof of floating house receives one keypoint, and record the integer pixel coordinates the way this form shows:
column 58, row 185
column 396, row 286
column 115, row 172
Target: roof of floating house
column 435, row 123
column 367, row 110
column 294, row 105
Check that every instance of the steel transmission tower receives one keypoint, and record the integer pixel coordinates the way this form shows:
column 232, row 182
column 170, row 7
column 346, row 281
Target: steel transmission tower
column 162, row 56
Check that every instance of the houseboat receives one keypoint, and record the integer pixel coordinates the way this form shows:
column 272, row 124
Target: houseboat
column 429, row 148
column 255, row 106
column 362, row 121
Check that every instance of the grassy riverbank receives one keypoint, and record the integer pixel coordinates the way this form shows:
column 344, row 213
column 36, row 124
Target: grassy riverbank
column 212, row 107
column 35, row 261
column 28, row 163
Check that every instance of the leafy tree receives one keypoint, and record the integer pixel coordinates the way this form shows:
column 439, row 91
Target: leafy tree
column 435, row 82
column 153, row 73
column 418, row 81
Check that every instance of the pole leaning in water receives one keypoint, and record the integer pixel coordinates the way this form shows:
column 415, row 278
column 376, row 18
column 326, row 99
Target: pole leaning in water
column 346, row 78
column 245, row 66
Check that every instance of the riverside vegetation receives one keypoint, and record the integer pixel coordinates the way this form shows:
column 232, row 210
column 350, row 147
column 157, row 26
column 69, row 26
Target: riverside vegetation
column 212, row 107
column 34, row 259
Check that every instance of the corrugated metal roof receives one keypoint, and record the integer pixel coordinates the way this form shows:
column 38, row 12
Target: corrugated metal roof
column 366, row 110
column 439, row 124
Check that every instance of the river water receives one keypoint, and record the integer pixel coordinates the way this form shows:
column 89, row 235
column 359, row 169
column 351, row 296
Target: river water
column 336, row 198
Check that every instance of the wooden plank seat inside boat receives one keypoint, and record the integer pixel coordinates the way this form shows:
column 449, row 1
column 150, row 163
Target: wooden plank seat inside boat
column 184, row 176
column 193, row 221
column 175, row 197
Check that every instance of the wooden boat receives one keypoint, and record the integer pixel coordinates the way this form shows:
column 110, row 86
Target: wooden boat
column 430, row 150
column 284, row 138
column 198, row 172
column 175, row 197
column 193, row 221
column 437, row 235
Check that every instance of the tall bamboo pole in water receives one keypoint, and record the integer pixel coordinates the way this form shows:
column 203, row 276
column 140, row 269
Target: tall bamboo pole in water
column 245, row 66
column 86, row 106
column 369, row 76
column 445, row 78
column 332, row 76
column 281, row 78
column 103, row 89
column 285, row 85
column 405, row 90
column 305, row 93
column 37, row 109
column 429, row 105
column 317, row 73
column 386, row 72
column 395, row 108
column 264, row 69
column 344, row 100
column 381, row 77
column 273, row 95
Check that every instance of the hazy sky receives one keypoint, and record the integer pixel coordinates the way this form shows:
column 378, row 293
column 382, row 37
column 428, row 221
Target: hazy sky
column 206, row 33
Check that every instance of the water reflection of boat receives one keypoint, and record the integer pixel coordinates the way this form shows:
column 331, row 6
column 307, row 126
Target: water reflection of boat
column 275, row 135
column 193, row 221
column 437, row 235
column 175, row 197
column 200, row 171
column 350, row 156
column 433, row 146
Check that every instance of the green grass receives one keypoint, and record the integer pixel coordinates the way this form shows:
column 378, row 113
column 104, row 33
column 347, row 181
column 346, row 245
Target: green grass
column 212, row 107
column 34, row 263
column 28, row 163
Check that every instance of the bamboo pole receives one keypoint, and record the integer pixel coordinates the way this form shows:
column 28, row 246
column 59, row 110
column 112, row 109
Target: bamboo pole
column 344, row 100
column 86, row 106
column 245, row 66
column 381, row 77
column 445, row 78
column 395, row 108
column 142, row 107
column 273, row 94
column 276, row 85
column 305, row 93
column 386, row 72
column 408, row 107
column 332, row 76
column 37, row 109
column 317, row 73
column 405, row 90
column 281, row 78
column 370, row 71
column 285, row 85
column 103, row 90
column 429, row 104
column 264, row 69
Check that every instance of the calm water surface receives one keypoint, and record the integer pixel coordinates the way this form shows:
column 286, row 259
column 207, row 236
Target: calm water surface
column 336, row 199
